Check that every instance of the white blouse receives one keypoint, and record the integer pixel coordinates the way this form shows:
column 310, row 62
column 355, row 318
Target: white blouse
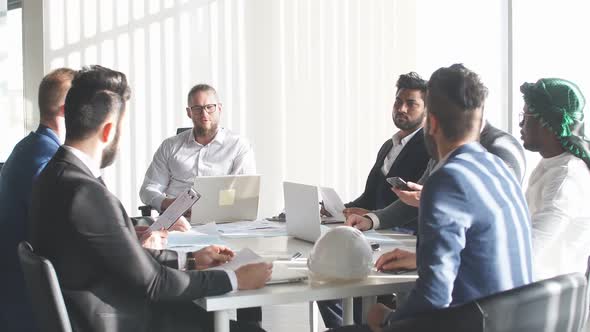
column 558, row 197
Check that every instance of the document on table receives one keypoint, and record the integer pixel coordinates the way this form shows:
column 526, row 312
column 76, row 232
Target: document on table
column 332, row 203
column 197, row 237
column 282, row 271
column 373, row 236
column 256, row 228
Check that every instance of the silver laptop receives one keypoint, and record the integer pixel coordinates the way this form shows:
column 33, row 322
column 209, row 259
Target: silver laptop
column 226, row 198
column 302, row 211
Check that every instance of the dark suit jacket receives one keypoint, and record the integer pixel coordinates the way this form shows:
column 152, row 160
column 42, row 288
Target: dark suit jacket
column 109, row 282
column 409, row 165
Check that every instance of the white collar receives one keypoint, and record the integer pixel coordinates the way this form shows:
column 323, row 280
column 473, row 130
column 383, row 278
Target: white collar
column 219, row 137
column 406, row 139
column 85, row 159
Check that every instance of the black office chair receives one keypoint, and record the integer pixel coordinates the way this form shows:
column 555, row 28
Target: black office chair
column 44, row 291
column 146, row 210
column 558, row 304
column 180, row 130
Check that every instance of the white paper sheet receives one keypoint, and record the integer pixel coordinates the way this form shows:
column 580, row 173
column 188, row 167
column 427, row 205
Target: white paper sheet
column 373, row 236
column 180, row 205
column 283, row 271
column 332, row 203
column 256, row 228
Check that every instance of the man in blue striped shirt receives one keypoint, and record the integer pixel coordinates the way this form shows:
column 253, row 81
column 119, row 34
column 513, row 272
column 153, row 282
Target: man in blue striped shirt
column 474, row 236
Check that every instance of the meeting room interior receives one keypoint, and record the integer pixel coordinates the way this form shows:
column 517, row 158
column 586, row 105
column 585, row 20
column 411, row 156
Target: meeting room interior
column 294, row 165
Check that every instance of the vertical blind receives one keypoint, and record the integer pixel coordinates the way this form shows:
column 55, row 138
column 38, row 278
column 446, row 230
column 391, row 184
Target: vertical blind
column 309, row 83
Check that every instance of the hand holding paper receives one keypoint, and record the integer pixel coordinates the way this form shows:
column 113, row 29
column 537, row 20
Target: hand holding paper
column 332, row 203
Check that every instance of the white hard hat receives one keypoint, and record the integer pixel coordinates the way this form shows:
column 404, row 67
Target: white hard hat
column 343, row 253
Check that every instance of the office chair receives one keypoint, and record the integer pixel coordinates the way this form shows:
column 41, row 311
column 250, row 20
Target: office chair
column 44, row 291
column 146, row 210
column 557, row 304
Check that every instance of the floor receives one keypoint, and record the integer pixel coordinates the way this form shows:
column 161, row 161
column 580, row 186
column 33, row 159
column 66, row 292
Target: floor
column 288, row 318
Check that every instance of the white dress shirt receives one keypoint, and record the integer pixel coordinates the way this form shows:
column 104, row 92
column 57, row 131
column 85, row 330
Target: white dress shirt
column 94, row 167
column 180, row 159
column 558, row 195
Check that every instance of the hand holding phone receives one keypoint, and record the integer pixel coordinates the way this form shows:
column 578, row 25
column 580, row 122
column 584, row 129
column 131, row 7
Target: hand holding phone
column 398, row 183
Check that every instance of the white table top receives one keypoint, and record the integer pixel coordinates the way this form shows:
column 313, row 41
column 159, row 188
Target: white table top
column 376, row 284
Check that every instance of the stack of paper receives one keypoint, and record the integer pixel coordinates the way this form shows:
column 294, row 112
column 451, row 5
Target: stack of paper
column 256, row 228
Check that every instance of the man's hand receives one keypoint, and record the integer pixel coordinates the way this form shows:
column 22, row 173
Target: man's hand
column 396, row 260
column 166, row 203
column 359, row 222
column 410, row 197
column 151, row 240
column 354, row 210
column 253, row 276
column 376, row 315
column 181, row 225
column 211, row 256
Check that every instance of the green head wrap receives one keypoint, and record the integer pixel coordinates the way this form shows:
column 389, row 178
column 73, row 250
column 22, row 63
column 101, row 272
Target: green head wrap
column 559, row 105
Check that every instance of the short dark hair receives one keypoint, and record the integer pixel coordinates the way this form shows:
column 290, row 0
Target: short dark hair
column 52, row 91
column 96, row 92
column 412, row 81
column 199, row 88
column 455, row 95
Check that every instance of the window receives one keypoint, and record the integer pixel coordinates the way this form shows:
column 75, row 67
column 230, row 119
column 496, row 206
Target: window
column 12, row 117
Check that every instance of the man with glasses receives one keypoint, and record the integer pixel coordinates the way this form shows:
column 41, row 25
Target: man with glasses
column 206, row 150
column 552, row 124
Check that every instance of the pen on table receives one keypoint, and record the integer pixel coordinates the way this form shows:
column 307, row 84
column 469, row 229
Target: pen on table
column 296, row 255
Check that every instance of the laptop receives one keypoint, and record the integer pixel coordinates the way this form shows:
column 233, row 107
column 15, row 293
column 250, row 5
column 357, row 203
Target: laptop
column 226, row 198
column 302, row 211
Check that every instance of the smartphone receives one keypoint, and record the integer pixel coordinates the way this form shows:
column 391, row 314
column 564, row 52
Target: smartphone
column 398, row 183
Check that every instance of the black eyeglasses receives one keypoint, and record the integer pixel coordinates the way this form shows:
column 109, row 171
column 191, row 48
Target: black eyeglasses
column 209, row 108
column 523, row 115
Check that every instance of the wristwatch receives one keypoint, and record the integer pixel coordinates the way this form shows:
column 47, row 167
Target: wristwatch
column 191, row 263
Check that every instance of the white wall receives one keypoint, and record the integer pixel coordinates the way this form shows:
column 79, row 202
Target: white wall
column 309, row 83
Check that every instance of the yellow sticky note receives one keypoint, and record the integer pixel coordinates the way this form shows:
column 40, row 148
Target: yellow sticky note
column 227, row 197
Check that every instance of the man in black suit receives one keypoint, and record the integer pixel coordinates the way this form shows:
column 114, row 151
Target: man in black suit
column 109, row 282
column 404, row 155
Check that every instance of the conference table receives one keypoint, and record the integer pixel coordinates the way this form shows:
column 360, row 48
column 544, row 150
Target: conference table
column 376, row 283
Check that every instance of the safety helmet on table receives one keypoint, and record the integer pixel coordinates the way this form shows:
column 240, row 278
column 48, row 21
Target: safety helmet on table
column 343, row 253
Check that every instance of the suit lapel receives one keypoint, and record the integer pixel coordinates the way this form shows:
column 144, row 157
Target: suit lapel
column 384, row 151
column 418, row 138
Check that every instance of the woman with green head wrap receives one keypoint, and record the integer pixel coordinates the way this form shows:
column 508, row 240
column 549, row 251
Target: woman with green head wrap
column 552, row 124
